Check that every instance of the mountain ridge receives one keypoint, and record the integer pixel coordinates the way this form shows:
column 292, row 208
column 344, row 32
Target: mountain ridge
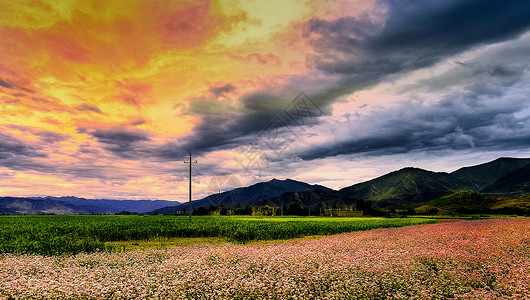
column 516, row 182
column 404, row 187
column 480, row 176
column 249, row 195
column 75, row 205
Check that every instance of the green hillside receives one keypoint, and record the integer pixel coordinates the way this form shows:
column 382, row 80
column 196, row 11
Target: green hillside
column 404, row 187
column 480, row 176
column 470, row 202
column 516, row 183
column 409, row 186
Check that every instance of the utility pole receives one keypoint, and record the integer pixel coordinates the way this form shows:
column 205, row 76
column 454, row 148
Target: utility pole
column 190, row 162
column 219, row 203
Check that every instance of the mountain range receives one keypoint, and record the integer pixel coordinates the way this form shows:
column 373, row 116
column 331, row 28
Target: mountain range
column 404, row 187
column 413, row 186
column 252, row 195
column 407, row 187
column 76, row 206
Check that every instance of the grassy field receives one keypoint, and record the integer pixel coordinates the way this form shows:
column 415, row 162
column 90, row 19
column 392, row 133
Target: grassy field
column 51, row 235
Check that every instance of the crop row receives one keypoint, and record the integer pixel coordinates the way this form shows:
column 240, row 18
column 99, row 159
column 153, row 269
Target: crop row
column 50, row 235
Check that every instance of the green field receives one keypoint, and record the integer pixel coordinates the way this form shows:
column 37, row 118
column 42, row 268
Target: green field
column 51, row 235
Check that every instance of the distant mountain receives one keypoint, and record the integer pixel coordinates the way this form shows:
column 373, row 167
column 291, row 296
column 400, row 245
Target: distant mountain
column 27, row 206
column 75, row 205
column 404, row 187
column 479, row 177
column 514, row 183
column 104, row 206
column 246, row 195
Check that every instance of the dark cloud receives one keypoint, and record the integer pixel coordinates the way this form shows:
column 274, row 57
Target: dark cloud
column 118, row 136
column 12, row 147
column 226, row 131
column 479, row 78
column 25, row 163
column 479, row 104
column 46, row 136
column 49, row 105
column 19, row 155
column 6, row 175
column 10, row 85
column 171, row 151
column 451, row 25
column 13, row 86
column 216, row 132
column 50, row 137
column 217, row 99
column 122, row 142
column 263, row 101
column 5, row 84
column 27, row 90
column 362, row 52
column 219, row 131
column 11, row 100
column 219, row 91
column 451, row 124
column 89, row 108
column 203, row 106
column 416, row 34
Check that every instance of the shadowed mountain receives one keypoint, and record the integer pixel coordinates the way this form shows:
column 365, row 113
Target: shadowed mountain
column 399, row 188
column 481, row 176
column 513, row 183
column 404, row 187
column 314, row 199
column 413, row 185
column 106, row 206
column 250, row 195
column 26, row 206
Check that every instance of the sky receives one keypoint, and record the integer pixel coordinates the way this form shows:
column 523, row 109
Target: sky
column 106, row 99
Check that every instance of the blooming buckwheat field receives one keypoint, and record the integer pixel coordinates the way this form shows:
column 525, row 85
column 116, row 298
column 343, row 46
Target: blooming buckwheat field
column 483, row 259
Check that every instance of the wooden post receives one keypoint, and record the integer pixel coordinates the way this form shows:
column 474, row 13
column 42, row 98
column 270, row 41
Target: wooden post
column 190, row 208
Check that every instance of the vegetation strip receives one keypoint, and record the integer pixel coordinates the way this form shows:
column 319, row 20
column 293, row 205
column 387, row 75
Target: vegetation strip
column 52, row 235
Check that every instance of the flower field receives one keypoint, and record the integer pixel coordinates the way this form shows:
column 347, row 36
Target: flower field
column 482, row 259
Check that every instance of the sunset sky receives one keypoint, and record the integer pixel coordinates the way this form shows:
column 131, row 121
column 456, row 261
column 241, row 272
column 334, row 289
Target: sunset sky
column 105, row 99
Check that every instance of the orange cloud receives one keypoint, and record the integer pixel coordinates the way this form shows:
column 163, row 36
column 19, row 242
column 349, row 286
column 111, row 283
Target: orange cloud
column 187, row 25
column 119, row 68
